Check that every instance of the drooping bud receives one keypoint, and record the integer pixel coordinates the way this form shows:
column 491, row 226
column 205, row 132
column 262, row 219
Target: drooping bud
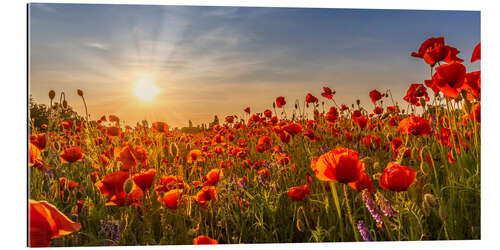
column 430, row 200
column 80, row 92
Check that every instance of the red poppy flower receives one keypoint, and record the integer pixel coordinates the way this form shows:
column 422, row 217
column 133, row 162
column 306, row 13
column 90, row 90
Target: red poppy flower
column 472, row 85
column 168, row 183
column 171, row 198
column 375, row 95
column 378, row 110
column 46, row 222
column 229, row 119
column 195, row 155
column 34, row 154
column 476, row 54
column 113, row 131
column 39, row 140
column 361, row 121
column 299, row 193
column 268, row 113
column 206, row 194
column 340, row 165
column 280, row 101
column 71, row 154
column 429, row 45
column 363, row 183
column 160, row 127
column 311, row 99
column 111, row 186
column 145, row 179
column 397, row 178
column 127, row 158
column 293, row 128
column 213, row 176
column 415, row 125
column 66, row 124
column 434, row 50
column 328, row 93
column 449, row 78
column 247, row 110
column 415, row 92
column 332, row 115
column 204, row 240
column 114, row 118
column 135, row 195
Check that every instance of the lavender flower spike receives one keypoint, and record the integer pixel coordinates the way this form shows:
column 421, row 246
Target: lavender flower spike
column 365, row 234
column 385, row 205
column 373, row 210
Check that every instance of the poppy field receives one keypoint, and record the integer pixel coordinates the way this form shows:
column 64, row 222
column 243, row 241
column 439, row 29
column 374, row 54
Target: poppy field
column 391, row 170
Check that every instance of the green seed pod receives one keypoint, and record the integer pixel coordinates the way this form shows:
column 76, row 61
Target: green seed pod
column 128, row 185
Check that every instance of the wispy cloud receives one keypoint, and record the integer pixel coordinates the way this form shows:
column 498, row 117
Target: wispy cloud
column 96, row 45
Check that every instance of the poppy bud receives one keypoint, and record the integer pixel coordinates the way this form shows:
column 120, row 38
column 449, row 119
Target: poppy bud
column 79, row 92
column 296, row 106
column 274, row 105
column 358, row 102
column 430, row 200
column 65, row 104
column 128, row 185
column 52, row 94
column 422, row 101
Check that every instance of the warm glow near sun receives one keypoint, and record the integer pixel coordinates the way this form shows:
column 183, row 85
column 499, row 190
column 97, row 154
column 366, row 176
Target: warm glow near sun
column 146, row 90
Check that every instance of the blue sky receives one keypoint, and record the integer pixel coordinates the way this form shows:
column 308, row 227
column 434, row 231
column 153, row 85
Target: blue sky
column 219, row 60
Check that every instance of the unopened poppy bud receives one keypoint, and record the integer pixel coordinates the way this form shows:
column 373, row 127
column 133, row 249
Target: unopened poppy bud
column 52, row 94
column 296, row 106
column 65, row 104
column 358, row 102
column 274, row 105
column 430, row 200
column 79, row 92
column 422, row 101
column 128, row 185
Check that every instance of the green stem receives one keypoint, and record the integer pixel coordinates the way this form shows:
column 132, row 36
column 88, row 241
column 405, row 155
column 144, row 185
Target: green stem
column 337, row 205
column 349, row 212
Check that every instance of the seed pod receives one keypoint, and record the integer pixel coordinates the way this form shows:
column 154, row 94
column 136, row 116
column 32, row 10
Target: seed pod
column 443, row 214
column 52, row 94
column 128, row 185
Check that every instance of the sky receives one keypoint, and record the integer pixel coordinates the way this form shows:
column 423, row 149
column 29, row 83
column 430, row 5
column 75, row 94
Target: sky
column 210, row 61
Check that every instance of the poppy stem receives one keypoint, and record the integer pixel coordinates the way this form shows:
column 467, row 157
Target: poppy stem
column 349, row 212
column 337, row 205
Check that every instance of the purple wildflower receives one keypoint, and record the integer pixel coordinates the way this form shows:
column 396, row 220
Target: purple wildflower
column 373, row 210
column 365, row 234
column 385, row 206
column 110, row 229
column 242, row 183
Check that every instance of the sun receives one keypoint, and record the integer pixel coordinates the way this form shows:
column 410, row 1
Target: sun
column 146, row 90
